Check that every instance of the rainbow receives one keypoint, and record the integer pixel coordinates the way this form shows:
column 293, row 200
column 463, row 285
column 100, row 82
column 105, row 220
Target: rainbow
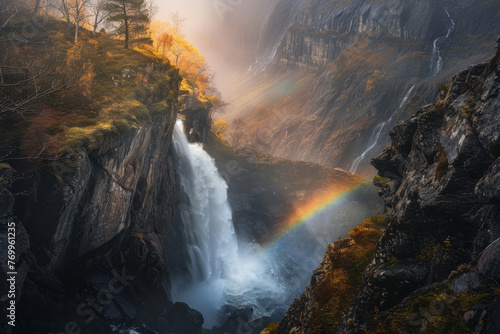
column 315, row 205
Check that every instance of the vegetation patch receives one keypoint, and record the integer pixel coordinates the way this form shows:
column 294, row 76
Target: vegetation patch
column 442, row 165
column 381, row 181
column 438, row 312
column 349, row 258
column 271, row 329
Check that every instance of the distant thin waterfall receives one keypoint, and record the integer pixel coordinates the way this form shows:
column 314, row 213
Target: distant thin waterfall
column 269, row 55
column 376, row 134
column 437, row 61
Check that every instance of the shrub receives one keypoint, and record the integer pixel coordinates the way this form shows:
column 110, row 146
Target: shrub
column 271, row 329
column 438, row 311
column 442, row 165
column 349, row 258
column 380, row 181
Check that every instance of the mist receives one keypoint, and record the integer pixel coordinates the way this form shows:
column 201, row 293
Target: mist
column 230, row 34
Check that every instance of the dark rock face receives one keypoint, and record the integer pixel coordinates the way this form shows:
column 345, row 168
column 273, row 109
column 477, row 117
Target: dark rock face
column 240, row 322
column 321, row 31
column 263, row 190
column 197, row 117
column 114, row 189
column 90, row 243
column 442, row 224
column 442, row 197
column 185, row 320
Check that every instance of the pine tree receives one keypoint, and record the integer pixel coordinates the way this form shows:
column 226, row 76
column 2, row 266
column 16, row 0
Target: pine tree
column 131, row 16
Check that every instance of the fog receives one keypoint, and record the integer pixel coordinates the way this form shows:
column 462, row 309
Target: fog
column 229, row 33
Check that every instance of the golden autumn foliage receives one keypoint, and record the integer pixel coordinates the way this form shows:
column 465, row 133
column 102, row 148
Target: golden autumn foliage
column 171, row 44
column 102, row 96
column 219, row 127
column 348, row 259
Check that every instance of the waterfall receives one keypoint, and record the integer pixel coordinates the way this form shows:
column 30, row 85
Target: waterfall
column 207, row 268
column 207, row 255
column 437, row 60
column 377, row 132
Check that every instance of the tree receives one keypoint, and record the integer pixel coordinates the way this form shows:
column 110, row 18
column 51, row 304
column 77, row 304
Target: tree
column 220, row 127
column 152, row 9
column 77, row 12
column 99, row 13
column 157, row 29
column 165, row 42
column 65, row 10
column 237, row 133
column 131, row 16
column 177, row 22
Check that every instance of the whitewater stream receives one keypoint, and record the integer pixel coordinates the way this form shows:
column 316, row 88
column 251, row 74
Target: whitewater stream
column 376, row 134
column 436, row 60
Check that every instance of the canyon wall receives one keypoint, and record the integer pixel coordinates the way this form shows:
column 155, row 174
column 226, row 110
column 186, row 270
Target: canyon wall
column 434, row 265
column 342, row 68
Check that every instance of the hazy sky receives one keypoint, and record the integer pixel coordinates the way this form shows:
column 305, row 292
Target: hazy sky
column 204, row 18
column 202, row 15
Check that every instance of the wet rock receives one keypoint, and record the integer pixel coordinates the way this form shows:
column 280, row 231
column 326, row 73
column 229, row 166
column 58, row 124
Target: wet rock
column 240, row 322
column 184, row 319
column 493, row 325
column 468, row 281
column 488, row 265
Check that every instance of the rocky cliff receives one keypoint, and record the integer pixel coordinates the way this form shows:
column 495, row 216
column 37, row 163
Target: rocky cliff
column 91, row 211
column 434, row 266
column 93, row 215
column 343, row 67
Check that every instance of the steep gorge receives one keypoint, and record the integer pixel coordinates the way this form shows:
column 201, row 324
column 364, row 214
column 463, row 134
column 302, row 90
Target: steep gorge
column 93, row 225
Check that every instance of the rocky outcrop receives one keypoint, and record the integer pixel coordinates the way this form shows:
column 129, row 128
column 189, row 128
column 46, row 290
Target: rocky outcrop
column 91, row 231
column 99, row 216
column 124, row 185
column 438, row 254
column 440, row 162
column 320, row 33
column 196, row 112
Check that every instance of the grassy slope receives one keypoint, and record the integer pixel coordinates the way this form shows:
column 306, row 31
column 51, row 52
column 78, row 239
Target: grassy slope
column 117, row 91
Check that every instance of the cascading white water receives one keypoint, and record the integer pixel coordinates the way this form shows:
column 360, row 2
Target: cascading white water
column 437, row 61
column 208, row 270
column 377, row 132
column 208, row 254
